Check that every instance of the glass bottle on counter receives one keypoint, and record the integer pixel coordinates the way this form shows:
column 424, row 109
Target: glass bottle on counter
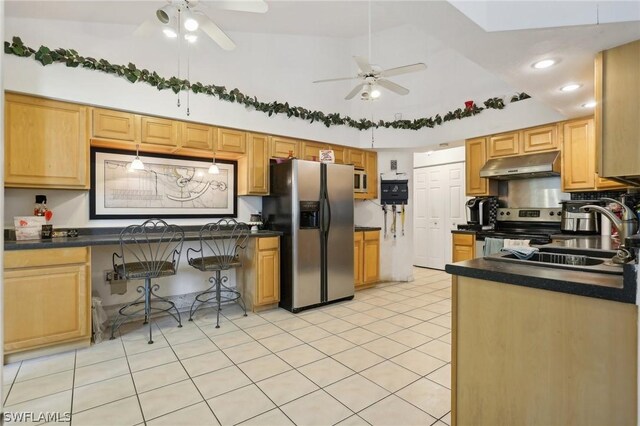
column 41, row 209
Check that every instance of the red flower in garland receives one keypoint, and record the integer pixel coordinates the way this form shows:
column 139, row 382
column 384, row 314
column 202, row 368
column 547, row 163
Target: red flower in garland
column 469, row 104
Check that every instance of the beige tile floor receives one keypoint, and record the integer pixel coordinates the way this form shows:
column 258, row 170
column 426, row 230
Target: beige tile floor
column 380, row 359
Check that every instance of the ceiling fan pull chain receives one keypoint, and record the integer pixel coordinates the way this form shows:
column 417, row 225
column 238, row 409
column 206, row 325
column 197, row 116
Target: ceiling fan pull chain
column 369, row 31
column 179, row 50
column 188, row 77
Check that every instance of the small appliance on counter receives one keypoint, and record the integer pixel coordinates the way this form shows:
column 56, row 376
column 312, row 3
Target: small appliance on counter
column 478, row 214
column 577, row 221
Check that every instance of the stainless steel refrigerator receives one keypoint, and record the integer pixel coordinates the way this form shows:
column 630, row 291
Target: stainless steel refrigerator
column 311, row 203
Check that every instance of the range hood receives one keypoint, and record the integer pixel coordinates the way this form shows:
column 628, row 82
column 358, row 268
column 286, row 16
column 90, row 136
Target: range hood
column 523, row 166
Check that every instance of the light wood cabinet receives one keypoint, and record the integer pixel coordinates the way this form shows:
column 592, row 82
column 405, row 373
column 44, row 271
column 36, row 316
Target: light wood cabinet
column 503, row 145
column 464, row 247
column 604, row 183
column 109, row 124
column 253, row 168
column 543, row 138
column 358, row 259
column 311, row 150
column 230, row 140
column 578, row 156
column 46, row 298
column 158, row 131
column 371, row 256
column 262, row 267
column 46, row 143
column 198, row 137
column 475, row 157
column 372, row 174
column 617, row 90
column 284, row 147
column 357, row 157
column 339, row 153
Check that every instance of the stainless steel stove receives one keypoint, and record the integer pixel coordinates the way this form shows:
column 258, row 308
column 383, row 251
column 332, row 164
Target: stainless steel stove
column 535, row 224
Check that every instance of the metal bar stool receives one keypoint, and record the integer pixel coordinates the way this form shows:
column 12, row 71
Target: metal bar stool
column 148, row 251
column 220, row 246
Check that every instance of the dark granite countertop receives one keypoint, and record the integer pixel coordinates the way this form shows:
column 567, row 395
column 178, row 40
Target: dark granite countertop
column 619, row 288
column 98, row 237
column 367, row 228
column 463, row 231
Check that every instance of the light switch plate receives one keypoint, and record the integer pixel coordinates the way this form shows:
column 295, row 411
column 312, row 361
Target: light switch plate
column 394, row 164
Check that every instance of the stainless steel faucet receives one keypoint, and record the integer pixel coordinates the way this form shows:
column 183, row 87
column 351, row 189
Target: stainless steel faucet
column 627, row 226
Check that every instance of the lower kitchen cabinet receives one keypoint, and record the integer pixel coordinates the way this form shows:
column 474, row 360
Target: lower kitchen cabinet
column 47, row 298
column 366, row 258
column 464, row 247
column 262, row 269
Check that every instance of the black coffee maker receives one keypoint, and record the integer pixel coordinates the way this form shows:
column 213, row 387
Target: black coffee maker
column 478, row 211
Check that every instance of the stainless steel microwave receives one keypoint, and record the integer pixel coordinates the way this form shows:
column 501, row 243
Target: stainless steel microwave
column 359, row 181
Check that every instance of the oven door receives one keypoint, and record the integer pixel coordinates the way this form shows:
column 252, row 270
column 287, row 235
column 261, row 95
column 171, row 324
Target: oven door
column 359, row 181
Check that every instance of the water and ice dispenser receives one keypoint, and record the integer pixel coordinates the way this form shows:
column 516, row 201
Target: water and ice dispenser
column 309, row 214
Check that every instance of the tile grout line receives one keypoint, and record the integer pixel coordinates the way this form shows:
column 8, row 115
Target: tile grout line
column 73, row 385
column 135, row 389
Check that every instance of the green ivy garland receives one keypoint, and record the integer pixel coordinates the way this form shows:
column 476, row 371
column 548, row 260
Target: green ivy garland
column 133, row 74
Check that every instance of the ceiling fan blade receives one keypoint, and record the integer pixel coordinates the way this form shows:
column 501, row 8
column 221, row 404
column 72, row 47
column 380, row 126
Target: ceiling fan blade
column 253, row 6
column 363, row 64
column 215, row 33
column 390, row 85
column 147, row 28
column 335, row 79
column 355, row 91
column 403, row 70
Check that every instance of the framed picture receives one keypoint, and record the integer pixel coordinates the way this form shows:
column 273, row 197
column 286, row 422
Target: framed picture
column 170, row 186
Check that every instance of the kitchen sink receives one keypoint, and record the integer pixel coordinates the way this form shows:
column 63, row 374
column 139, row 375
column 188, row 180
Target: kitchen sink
column 569, row 259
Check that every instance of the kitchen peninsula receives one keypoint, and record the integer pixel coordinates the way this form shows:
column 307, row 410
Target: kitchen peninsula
column 543, row 345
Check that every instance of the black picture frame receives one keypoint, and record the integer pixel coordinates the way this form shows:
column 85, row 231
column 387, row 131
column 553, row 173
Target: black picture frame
column 98, row 211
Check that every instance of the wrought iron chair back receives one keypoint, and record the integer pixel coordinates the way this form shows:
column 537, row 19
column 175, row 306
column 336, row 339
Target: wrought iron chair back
column 221, row 243
column 150, row 250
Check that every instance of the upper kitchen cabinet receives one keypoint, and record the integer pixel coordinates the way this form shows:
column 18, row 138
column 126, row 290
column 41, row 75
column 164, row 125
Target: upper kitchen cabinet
column 504, row 145
column 284, row 147
column 617, row 125
column 339, row 153
column 46, row 143
column 311, row 150
column 578, row 156
column 357, row 157
column 197, row 137
column 543, row 138
column 372, row 174
column 107, row 124
column 233, row 141
column 475, row 157
column 159, row 131
column 253, row 168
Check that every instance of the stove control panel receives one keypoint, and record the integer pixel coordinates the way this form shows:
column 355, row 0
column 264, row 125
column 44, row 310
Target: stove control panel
column 529, row 215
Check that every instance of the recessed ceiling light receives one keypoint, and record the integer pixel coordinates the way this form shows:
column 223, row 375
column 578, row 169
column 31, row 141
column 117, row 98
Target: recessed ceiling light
column 191, row 38
column 545, row 63
column 570, row 87
column 589, row 104
column 169, row 33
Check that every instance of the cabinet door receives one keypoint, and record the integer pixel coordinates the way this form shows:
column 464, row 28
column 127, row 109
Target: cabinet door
column 358, row 259
column 475, row 157
column 253, row 169
column 311, row 150
column 230, row 140
column 543, row 138
column 578, row 156
column 604, row 183
column 283, row 147
column 197, row 136
column 504, row 145
column 159, row 131
column 356, row 157
column 339, row 154
column 372, row 174
column 268, row 286
column 46, row 143
column 371, row 255
column 109, row 124
column 45, row 306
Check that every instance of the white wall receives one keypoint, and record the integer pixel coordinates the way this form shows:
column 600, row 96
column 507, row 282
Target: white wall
column 396, row 255
column 444, row 156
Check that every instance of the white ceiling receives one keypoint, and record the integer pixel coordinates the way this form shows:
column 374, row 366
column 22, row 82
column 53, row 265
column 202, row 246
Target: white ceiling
column 473, row 42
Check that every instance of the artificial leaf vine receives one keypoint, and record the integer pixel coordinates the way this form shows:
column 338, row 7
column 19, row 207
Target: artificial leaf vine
column 133, row 74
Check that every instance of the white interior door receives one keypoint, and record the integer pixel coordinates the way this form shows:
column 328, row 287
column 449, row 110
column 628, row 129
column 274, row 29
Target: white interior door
column 439, row 197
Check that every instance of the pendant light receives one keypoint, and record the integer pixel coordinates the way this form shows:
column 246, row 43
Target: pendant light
column 213, row 168
column 137, row 163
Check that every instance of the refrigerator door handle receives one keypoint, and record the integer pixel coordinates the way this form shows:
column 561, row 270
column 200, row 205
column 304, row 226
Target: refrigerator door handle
column 326, row 216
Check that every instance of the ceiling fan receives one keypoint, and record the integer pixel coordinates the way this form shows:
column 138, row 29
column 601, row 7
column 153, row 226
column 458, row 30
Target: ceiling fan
column 372, row 77
column 189, row 15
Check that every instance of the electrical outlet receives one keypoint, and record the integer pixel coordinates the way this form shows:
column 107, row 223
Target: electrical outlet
column 111, row 276
column 394, row 164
